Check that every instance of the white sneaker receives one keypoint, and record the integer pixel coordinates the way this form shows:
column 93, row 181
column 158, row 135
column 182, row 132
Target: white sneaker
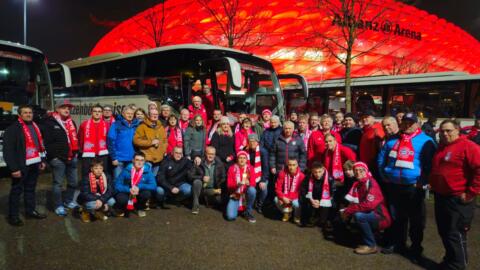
column 141, row 213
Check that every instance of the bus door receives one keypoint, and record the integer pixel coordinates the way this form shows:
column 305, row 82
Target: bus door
column 225, row 82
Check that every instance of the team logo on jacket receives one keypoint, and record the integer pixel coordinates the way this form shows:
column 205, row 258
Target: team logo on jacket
column 294, row 143
column 370, row 198
column 169, row 167
column 448, row 156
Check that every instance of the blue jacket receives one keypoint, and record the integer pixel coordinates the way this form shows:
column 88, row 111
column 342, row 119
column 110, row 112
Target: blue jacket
column 269, row 137
column 123, row 183
column 120, row 139
column 424, row 148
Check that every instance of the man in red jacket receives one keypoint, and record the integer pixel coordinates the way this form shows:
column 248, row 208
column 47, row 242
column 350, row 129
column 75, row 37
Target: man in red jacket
column 455, row 179
column 287, row 189
column 316, row 143
column 371, row 141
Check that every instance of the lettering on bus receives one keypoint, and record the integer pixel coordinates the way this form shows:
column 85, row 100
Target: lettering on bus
column 85, row 109
column 386, row 27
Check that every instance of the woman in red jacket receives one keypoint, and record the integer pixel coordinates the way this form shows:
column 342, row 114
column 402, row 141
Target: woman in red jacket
column 241, row 187
column 287, row 189
column 367, row 207
column 174, row 134
column 241, row 137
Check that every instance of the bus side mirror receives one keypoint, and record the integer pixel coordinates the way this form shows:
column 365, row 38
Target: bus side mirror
column 232, row 67
column 298, row 79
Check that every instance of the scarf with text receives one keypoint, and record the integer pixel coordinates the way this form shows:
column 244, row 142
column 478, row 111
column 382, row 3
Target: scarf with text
column 336, row 164
column 241, row 176
column 95, row 134
column 403, row 150
column 290, row 182
column 34, row 154
column 326, row 199
column 135, row 178
column 353, row 195
column 102, row 184
column 71, row 132
column 177, row 135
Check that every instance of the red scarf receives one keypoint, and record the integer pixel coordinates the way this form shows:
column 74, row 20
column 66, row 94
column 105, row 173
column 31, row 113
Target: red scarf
column 102, row 183
column 71, row 132
column 353, row 195
column 326, row 200
column 183, row 125
column 110, row 122
column 257, row 167
column 95, row 139
column 33, row 154
column 241, row 137
column 174, row 138
column 337, row 128
column 135, row 178
column 289, row 183
column 240, row 174
column 212, row 131
column 336, row 164
column 403, row 150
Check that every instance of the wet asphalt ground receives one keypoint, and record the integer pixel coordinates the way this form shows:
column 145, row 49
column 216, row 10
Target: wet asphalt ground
column 176, row 239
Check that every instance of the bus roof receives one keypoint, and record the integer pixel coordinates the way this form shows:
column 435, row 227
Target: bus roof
column 116, row 56
column 398, row 79
column 18, row 45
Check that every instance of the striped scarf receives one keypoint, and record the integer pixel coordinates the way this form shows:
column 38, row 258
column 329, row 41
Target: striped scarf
column 257, row 164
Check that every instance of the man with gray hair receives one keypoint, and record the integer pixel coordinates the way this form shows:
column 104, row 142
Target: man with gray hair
column 120, row 139
column 287, row 146
column 390, row 126
column 165, row 112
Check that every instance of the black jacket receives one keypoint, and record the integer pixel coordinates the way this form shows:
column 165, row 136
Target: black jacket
column 14, row 147
column 197, row 172
column 55, row 139
column 317, row 188
column 351, row 137
column 173, row 173
column 86, row 194
column 295, row 150
column 224, row 146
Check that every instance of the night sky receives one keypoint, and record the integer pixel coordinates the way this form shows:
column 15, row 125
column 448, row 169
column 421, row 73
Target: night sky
column 67, row 29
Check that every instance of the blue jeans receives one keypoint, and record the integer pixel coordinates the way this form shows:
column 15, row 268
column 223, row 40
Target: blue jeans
column 91, row 204
column 262, row 194
column 60, row 169
column 367, row 222
column 119, row 168
column 185, row 192
column 232, row 206
column 295, row 206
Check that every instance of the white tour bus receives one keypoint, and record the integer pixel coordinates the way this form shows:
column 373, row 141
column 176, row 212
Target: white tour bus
column 171, row 75
column 24, row 79
column 441, row 94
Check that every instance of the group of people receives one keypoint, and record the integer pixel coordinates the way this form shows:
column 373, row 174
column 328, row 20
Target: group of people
column 316, row 170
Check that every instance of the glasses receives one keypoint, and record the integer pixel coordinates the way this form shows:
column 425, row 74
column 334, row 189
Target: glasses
column 99, row 111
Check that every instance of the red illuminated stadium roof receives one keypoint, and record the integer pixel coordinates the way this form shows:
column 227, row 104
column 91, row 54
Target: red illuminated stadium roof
column 287, row 33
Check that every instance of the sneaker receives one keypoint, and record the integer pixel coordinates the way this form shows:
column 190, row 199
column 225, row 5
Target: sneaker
column 119, row 213
column 141, row 213
column 286, row 217
column 195, row 211
column 85, row 216
column 248, row 216
column 99, row 215
column 365, row 250
column 60, row 211
column 297, row 221
column 71, row 205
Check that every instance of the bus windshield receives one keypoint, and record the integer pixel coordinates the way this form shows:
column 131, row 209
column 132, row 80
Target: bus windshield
column 23, row 80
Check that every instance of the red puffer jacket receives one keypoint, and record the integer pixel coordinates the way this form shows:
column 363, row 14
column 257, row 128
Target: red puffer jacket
column 371, row 199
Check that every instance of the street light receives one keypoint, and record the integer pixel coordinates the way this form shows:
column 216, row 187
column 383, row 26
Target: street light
column 25, row 20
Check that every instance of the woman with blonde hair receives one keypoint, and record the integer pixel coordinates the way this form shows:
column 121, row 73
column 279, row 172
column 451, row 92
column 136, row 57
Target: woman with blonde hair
column 195, row 137
column 224, row 142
